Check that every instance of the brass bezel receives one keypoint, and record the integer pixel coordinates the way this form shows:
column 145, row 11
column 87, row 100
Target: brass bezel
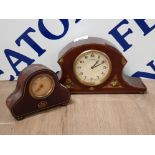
column 83, row 53
column 48, row 93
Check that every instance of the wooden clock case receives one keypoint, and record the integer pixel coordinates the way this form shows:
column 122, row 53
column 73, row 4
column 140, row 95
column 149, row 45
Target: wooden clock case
column 22, row 104
column 117, row 81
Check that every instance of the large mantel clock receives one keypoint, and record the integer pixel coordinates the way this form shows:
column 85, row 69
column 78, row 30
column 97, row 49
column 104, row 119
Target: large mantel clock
column 94, row 65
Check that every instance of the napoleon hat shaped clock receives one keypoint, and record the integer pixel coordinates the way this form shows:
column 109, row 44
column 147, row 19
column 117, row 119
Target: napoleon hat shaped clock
column 94, row 65
column 37, row 89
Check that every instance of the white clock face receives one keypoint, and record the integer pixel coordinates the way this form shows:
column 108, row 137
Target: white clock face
column 41, row 86
column 92, row 67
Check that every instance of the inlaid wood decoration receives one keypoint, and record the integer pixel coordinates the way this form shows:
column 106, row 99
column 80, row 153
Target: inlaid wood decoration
column 37, row 89
column 94, row 65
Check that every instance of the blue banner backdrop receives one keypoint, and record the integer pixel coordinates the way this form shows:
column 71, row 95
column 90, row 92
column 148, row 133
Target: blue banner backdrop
column 23, row 42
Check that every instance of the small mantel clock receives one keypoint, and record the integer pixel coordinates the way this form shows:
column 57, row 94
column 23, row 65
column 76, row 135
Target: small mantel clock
column 37, row 89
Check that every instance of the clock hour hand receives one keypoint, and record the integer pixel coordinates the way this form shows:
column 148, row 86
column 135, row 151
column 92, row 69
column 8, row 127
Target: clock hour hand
column 39, row 88
column 98, row 64
column 94, row 64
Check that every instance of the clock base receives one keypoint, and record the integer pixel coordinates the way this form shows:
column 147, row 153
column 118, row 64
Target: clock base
column 125, row 85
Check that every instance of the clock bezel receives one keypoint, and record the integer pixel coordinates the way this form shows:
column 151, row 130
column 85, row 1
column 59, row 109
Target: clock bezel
column 48, row 93
column 87, row 83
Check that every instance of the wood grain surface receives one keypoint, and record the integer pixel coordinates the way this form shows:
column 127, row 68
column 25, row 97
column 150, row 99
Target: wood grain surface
column 86, row 114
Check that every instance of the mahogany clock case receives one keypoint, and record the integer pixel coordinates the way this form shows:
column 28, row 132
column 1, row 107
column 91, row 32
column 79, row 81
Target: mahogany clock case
column 22, row 104
column 117, row 82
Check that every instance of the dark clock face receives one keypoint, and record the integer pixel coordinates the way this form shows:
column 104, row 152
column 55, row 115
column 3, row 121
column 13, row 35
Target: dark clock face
column 92, row 67
column 41, row 86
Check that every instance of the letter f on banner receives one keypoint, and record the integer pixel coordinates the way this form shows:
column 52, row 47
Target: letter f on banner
column 120, row 38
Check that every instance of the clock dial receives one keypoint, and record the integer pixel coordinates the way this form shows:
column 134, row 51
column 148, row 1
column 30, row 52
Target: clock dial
column 41, row 86
column 92, row 67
